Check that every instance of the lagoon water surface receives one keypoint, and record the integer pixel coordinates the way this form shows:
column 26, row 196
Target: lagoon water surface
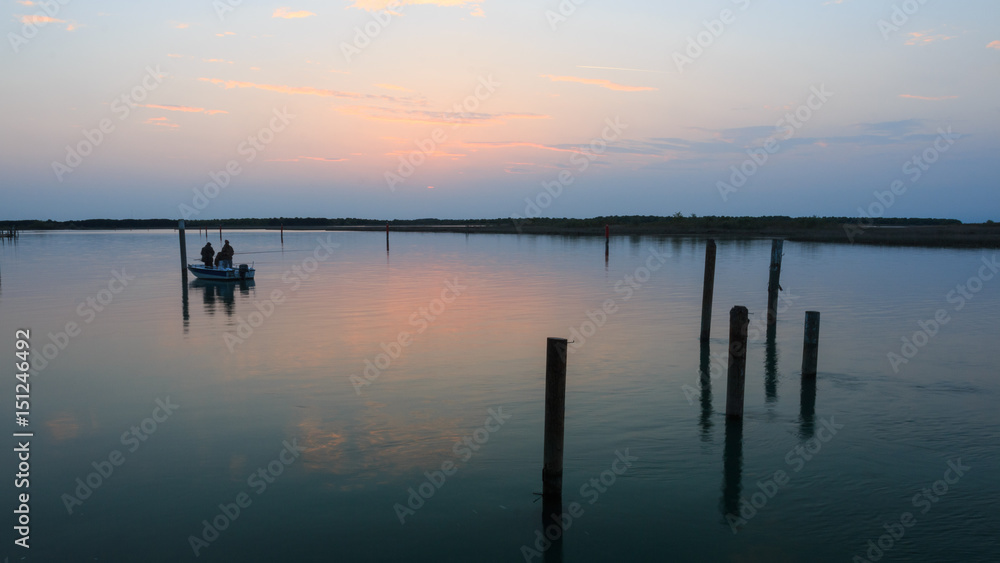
column 354, row 405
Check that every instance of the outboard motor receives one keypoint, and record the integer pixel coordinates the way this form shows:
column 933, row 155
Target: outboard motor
column 243, row 271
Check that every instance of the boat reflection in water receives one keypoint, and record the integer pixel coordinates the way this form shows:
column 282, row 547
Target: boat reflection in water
column 216, row 294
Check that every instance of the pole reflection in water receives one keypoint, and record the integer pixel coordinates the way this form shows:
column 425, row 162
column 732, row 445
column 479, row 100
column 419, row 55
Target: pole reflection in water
column 771, row 366
column 552, row 510
column 705, row 370
column 732, row 463
column 807, row 408
column 184, row 305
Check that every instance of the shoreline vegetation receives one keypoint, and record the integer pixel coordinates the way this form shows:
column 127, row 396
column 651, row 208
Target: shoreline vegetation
column 844, row 230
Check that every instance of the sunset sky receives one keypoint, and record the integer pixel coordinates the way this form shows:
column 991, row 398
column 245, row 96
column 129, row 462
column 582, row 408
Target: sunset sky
column 467, row 109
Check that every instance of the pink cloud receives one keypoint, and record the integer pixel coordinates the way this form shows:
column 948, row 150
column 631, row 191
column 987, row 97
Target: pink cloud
column 288, row 14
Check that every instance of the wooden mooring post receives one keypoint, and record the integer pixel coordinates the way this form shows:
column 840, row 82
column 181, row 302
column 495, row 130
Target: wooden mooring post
column 707, row 291
column 387, row 238
column 773, row 281
column 184, row 254
column 555, row 417
column 810, row 344
column 739, row 320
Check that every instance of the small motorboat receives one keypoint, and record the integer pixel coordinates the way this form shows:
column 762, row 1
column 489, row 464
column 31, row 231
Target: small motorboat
column 241, row 273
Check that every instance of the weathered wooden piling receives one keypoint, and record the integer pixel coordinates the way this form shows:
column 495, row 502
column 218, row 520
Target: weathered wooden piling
column 810, row 344
column 184, row 253
column 555, row 416
column 387, row 237
column 282, row 233
column 773, row 281
column 220, row 232
column 707, row 291
column 739, row 320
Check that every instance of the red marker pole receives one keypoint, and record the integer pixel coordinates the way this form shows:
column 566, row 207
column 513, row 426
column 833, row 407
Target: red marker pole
column 607, row 232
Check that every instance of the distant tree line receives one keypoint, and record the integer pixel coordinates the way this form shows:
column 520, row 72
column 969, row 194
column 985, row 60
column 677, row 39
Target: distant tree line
column 635, row 222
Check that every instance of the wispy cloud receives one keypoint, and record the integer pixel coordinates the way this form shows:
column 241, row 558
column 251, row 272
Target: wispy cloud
column 218, row 61
column 41, row 19
column 186, row 109
column 620, row 68
column 307, row 91
column 924, row 38
column 515, row 144
column 182, row 25
column 425, row 117
column 161, row 122
column 305, row 158
column 38, row 19
column 927, row 98
column 993, row 45
column 393, row 87
column 378, row 5
column 599, row 82
column 288, row 14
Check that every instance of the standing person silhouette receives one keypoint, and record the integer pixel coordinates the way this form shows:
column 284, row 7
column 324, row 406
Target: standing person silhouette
column 224, row 259
column 207, row 252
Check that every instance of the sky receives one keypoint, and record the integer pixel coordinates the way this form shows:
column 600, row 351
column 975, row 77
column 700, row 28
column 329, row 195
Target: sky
column 499, row 108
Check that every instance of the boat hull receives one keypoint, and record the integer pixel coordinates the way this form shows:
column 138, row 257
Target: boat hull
column 220, row 274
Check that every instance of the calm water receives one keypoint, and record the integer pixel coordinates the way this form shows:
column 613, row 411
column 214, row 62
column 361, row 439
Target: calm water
column 258, row 368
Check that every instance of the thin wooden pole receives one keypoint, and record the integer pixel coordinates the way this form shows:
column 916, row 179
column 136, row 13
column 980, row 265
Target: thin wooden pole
column 707, row 291
column 773, row 282
column 282, row 233
column 810, row 344
column 555, row 416
column 220, row 232
column 184, row 254
column 739, row 320
column 387, row 237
